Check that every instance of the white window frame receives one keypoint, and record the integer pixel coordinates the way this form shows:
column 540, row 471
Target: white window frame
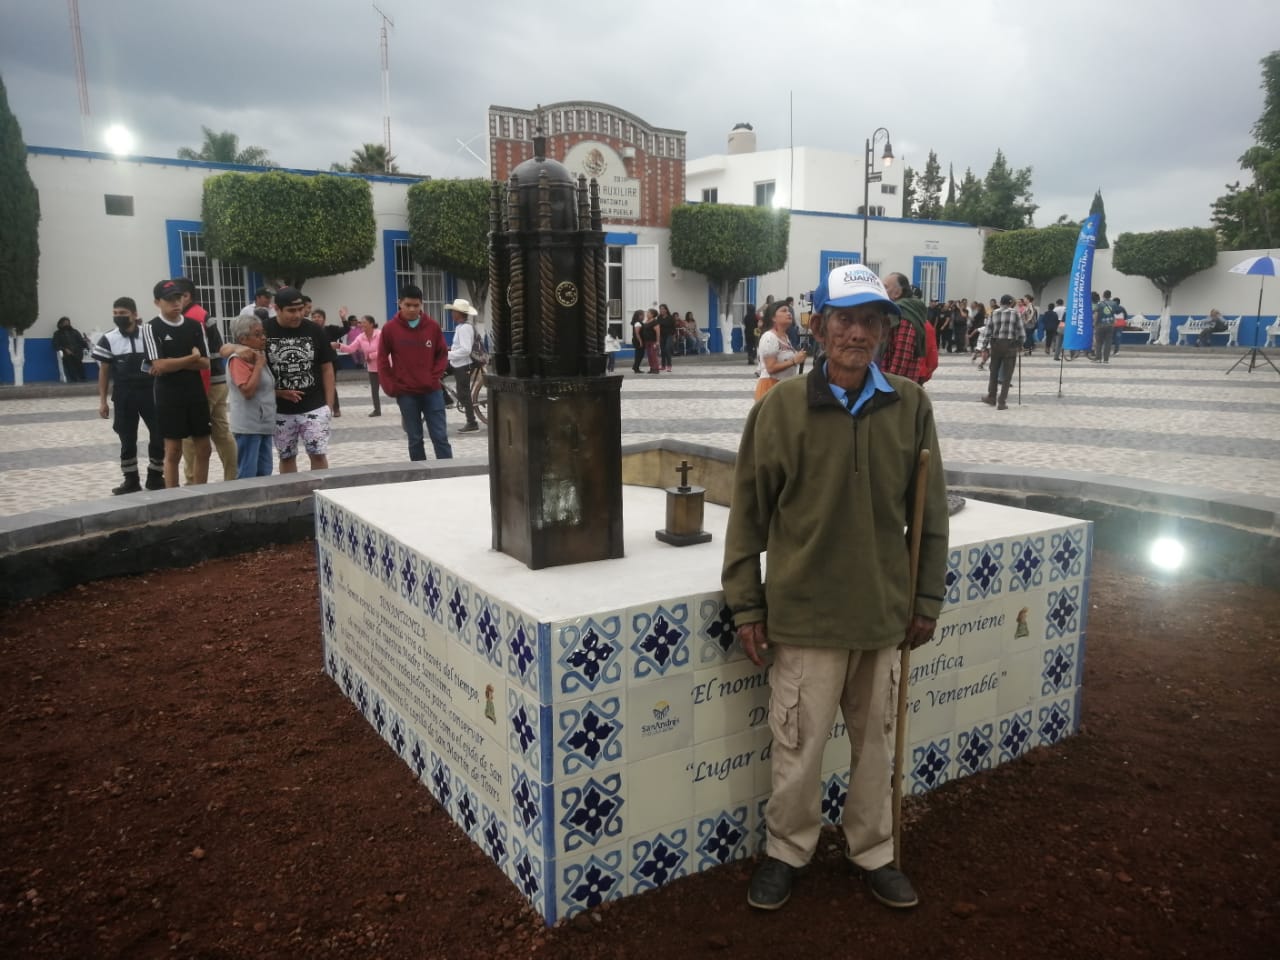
column 431, row 280
column 221, row 288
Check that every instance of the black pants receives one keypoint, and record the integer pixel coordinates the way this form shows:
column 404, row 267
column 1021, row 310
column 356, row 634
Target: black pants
column 375, row 387
column 638, row 347
column 1004, row 358
column 131, row 405
column 665, row 345
column 462, row 387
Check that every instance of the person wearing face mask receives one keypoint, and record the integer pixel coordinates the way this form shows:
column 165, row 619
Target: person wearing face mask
column 412, row 360
column 120, row 355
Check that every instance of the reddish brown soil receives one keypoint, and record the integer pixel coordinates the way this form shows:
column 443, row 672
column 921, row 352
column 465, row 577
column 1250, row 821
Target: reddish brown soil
column 179, row 779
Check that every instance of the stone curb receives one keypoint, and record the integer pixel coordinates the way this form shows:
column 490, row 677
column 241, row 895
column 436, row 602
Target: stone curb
column 1227, row 536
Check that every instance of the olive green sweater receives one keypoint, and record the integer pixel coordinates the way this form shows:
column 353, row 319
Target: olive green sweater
column 829, row 495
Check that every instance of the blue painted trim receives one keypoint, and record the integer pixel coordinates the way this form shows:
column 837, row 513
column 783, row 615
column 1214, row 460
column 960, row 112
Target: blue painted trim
column 918, row 262
column 171, row 229
column 389, row 237
column 208, row 165
column 826, row 256
column 622, row 239
column 858, row 216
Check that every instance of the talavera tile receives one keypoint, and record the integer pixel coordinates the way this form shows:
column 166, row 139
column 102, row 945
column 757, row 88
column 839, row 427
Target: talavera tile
column 587, row 880
column 660, row 790
column 659, row 717
column 728, row 698
column 589, row 734
column 591, row 812
column 714, row 640
column 658, row 640
column 656, row 857
column 590, row 656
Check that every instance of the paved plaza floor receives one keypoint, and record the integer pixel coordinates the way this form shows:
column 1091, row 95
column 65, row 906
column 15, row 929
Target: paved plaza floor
column 1153, row 414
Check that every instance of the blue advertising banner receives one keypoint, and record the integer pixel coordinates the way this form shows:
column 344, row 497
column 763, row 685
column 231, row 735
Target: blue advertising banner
column 1078, row 323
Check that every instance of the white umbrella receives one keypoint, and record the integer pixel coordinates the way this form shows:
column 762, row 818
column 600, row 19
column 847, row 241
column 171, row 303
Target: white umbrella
column 1260, row 267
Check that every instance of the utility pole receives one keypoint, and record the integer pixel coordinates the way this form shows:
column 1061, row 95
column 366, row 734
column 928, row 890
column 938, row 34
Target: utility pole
column 386, row 86
column 82, row 85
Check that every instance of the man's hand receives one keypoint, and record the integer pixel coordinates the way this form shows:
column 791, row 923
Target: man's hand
column 755, row 641
column 103, row 411
column 919, row 632
column 343, row 313
column 289, row 396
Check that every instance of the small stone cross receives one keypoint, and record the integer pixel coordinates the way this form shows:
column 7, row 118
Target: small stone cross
column 683, row 470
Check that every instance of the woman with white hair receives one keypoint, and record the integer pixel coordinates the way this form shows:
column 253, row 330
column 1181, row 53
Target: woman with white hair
column 253, row 402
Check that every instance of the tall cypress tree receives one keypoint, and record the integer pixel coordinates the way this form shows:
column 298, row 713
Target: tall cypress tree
column 19, row 228
column 1098, row 208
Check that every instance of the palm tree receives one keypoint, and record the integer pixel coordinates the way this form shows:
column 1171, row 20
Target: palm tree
column 224, row 147
column 370, row 158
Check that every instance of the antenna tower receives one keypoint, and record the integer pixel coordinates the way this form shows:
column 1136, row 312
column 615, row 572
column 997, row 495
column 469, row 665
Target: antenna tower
column 386, row 84
column 82, row 85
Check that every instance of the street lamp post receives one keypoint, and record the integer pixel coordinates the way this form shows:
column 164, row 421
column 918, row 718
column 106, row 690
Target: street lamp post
column 868, row 175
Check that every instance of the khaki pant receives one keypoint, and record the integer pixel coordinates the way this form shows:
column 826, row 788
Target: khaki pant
column 806, row 686
column 220, row 430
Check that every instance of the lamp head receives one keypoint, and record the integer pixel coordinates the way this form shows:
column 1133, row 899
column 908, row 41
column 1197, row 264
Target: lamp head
column 888, row 153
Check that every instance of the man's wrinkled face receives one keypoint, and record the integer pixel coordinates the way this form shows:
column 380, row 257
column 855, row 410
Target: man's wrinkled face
column 852, row 335
column 891, row 287
column 291, row 316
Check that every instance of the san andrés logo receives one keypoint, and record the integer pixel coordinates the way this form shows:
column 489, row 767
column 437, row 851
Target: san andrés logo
column 663, row 722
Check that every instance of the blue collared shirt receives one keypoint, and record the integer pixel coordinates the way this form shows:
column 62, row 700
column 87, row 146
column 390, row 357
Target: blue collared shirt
column 873, row 383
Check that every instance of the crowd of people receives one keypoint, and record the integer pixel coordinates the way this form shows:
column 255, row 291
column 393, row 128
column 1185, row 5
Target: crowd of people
column 269, row 393
column 657, row 335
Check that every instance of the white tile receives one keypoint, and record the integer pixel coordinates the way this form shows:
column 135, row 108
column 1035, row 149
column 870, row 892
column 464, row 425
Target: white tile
column 660, row 790
column 729, row 698
column 659, row 717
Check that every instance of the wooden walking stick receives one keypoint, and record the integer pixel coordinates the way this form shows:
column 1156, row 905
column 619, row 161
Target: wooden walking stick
column 900, row 732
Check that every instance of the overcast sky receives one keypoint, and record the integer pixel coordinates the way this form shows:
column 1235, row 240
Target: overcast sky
column 1150, row 100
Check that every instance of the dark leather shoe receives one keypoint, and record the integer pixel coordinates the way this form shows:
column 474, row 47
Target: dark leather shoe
column 770, row 884
column 155, row 481
column 469, row 428
column 131, row 485
column 1002, row 405
column 891, row 887
column 989, row 401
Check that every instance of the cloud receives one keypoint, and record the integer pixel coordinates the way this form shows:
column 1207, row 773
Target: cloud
column 1127, row 97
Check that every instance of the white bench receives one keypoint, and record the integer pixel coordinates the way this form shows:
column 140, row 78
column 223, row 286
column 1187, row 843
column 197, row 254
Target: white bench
column 1146, row 326
column 1189, row 332
column 1233, row 331
column 1273, row 333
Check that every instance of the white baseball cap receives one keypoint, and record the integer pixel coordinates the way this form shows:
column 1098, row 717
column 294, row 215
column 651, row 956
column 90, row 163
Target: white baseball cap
column 853, row 285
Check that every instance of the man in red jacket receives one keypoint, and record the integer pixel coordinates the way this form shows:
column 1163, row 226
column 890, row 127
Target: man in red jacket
column 412, row 359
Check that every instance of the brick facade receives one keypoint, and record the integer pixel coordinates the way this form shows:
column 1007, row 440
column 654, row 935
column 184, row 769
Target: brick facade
column 653, row 156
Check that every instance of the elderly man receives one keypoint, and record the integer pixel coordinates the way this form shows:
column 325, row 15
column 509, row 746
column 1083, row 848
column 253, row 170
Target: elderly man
column 906, row 344
column 1006, row 336
column 460, row 358
column 825, row 473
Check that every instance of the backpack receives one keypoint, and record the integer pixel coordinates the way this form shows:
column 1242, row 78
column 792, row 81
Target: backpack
column 479, row 353
column 1108, row 315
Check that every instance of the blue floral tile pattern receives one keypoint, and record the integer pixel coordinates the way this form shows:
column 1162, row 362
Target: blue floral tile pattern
column 326, row 569
column 722, row 838
column 522, row 651
column 329, row 617
column 954, row 577
column 1026, row 564
column 592, row 735
column 1066, row 555
column 985, row 567
column 1059, row 669
column 591, row 811
column 458, row 616
column 432, row 592
column 1054, row 722
column 717, row 638
column 369, row 549
column 1015, row 735
column 591, row 654
column 388, row 562
column 493, row 838
column 324, row 520
column 834, row 790
column 397, row 734
column 930, row 765
column 659, row 647
column 590, row 884
column 441, row 783
column 353, row 541
column 488, row 628
column 419, row 757
column 1062, row 617
column 523, row 729
column 659, row 860
column 408, row 568
column 525, row 870
column 976, row 750
column 466, row 808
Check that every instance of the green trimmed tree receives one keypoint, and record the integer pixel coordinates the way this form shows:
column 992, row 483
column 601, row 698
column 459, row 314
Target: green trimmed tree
column 1032, row 255
column 19, row 237
column 288, row 226
column 949, row 205
column 1165, row 257
column 969, row 204
column 1248, row 218
column 449, row 229
column 726, row 244
column 929, row 190
column 1100, row 209
column 225, row 147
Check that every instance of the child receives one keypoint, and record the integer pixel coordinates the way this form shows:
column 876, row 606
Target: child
column 611, row 347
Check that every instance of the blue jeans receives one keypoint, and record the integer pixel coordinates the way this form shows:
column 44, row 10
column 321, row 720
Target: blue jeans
column 253, row 455
column 417, row 408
